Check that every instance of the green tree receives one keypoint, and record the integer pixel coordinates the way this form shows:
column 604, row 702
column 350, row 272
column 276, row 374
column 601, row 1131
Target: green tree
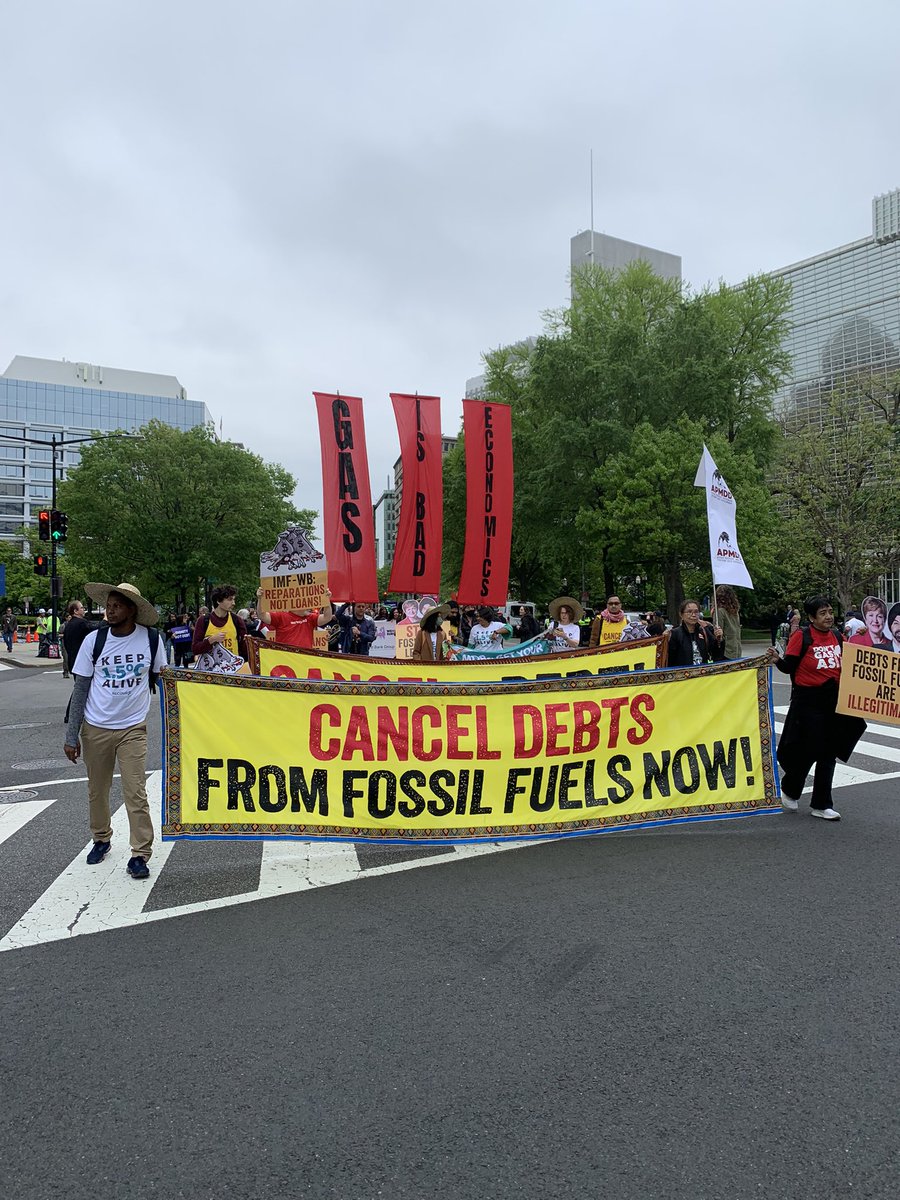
column 842, row 484
column 173, row 511
column 661, row 522
column 633, row 352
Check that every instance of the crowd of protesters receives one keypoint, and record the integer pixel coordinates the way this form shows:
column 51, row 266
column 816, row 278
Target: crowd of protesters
column 108, row 721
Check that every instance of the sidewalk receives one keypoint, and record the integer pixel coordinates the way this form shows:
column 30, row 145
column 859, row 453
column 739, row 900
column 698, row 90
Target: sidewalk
column 25, row 654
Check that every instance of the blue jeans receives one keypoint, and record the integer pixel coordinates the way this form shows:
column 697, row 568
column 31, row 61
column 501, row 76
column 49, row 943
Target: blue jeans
column 7, row 637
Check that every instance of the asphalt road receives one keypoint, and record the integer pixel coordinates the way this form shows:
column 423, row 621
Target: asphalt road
column 706, row 1011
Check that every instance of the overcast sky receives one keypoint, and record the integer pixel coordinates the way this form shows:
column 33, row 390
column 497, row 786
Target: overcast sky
column 364, row 196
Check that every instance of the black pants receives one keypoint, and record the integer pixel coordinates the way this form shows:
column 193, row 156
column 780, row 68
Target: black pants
column 793, row 781
column 183, row 655
column 809, row 737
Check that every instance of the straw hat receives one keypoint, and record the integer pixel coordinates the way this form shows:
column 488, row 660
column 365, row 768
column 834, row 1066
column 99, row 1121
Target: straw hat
column 99, row 593
column 443, row 609
column 555, row 605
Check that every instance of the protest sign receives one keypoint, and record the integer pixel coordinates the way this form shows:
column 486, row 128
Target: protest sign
column 292, row 575
column 385, row 640
column 270, row 658
column 489, row 503
column 870, row 683
column 397, row 762
column 346, row 498
column 728, row 565
column 417, row 550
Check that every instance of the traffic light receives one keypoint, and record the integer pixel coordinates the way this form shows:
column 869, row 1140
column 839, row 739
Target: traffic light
column 44, row 525
column 41, row 564
column 59, row 525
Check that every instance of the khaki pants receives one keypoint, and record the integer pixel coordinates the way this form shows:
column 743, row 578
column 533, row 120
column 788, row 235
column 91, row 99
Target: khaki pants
column 101, row 748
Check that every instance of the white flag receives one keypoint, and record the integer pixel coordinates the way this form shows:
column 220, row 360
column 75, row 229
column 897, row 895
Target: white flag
column 727, row 563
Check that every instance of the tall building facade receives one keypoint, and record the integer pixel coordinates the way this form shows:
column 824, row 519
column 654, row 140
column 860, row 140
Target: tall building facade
column 845, row 314
column 615, row 254
column 40, row 398
column 386, row 510
column 845, row 325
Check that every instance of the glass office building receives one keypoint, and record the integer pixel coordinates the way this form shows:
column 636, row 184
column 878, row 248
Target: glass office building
column 845, row 324
column 845, row 314
column 43, row 397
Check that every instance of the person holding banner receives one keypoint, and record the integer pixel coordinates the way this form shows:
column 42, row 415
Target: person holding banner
column 564, row 632
column 432, row 643
column 609, row 626
column 297, row 626
column 488, row 631
column 221, row 626
column 694, row 642
column 813, row 732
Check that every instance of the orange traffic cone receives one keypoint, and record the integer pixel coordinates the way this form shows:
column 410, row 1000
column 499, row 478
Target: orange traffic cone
column 15, row 636
column 28, row 635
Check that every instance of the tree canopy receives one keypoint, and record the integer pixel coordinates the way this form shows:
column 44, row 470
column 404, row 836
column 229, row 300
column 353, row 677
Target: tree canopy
column 842, row 483
column 611, row 407
column 173, row 511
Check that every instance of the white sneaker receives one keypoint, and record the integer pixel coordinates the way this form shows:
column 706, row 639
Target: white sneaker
column 827, row 814
column 788, row 803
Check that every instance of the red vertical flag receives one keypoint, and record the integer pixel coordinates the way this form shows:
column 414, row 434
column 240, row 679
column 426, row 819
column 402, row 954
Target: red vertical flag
column 347, row 500
column 417, row 555
column 489, row 503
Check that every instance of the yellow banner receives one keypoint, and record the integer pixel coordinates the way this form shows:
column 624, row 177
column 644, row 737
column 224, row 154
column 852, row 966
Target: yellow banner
column 291, row 758
column 288, row 662
column 870, row 684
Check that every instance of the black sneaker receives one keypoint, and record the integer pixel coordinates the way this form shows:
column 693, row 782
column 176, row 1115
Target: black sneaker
column 137, row 868
column 97, row 853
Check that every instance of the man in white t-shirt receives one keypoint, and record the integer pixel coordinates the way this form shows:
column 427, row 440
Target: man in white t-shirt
column 108, row 715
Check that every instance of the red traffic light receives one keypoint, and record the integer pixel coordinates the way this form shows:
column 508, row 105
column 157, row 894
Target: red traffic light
column 44, row 525
column 41, row 564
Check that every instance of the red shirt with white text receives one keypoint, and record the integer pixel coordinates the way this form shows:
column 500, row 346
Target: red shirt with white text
column 822, row 660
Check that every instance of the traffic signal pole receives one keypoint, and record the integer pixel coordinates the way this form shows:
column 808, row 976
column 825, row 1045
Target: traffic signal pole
column 59, row 534
column 54, row 586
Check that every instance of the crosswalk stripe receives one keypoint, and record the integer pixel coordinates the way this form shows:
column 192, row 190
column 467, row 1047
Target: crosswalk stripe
column 14, row 816
column 875, row 728
column 85, row 899
column 868, row 748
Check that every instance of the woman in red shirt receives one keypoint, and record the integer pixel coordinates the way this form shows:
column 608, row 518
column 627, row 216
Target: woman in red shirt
column 813, row 732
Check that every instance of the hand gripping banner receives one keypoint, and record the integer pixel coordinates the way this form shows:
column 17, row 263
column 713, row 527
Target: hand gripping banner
column 290, row 662
column 466, row 762
column 347, row 500
column 489, row 503
column 417, row 554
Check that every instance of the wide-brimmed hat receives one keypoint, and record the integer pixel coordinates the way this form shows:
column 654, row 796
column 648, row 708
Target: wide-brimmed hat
column 572, row 604
column 443, row 609
column 99, row 593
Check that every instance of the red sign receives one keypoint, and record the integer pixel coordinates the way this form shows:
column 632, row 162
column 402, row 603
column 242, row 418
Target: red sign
column 417, row 555
column 347, row 499
column 489, row 503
